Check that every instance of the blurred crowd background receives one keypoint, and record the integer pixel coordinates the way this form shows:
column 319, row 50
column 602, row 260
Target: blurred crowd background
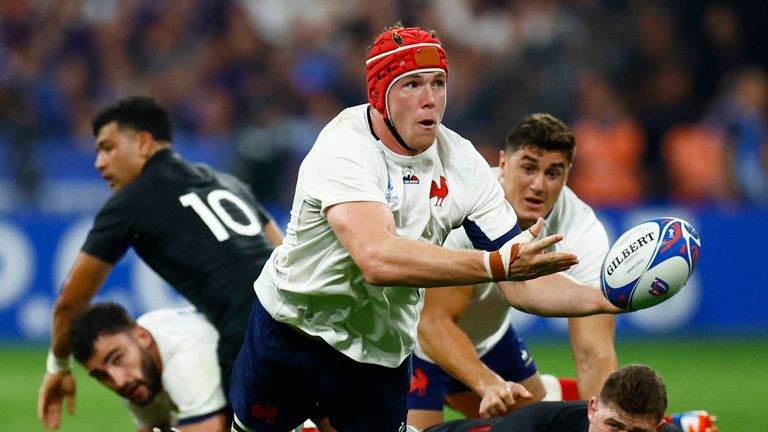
column 668, row 99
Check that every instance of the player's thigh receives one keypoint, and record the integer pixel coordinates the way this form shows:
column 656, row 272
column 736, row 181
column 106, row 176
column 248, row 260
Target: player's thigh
column 262, row 401
column 267, row 389
column 366, row 397
column 428, row 387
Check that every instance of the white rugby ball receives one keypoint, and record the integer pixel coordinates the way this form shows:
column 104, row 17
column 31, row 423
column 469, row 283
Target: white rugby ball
column 650, row 263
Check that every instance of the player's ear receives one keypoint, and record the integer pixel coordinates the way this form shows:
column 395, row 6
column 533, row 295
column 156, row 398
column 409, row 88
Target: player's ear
column 502, row 160
column 146, row 144
column 591, row 408
column 142, row 336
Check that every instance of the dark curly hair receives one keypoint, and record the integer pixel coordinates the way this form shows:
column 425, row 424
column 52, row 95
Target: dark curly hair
column 544, row 131
column 140, row 113
column 96, row 320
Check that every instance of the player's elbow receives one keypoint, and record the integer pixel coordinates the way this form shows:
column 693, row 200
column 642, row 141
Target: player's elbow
column 377, row 274
column 376, row 266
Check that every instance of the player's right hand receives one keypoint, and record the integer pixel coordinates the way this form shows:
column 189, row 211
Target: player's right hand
column 53, row 391
column 500, row 397
column 531, row 261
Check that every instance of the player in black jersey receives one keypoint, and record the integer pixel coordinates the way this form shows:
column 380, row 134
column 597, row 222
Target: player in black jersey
column 201, row 230
column 633, row 399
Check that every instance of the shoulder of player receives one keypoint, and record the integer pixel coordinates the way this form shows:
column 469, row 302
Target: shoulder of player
column 344, row 142
column 349, row 123
column 451, row 144
column 571, row 217
column 570, row 211
column 165, row 320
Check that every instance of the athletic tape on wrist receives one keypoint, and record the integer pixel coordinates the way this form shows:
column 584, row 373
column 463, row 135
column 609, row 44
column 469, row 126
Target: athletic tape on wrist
column 495, row 262
column 56, row 365
column 494, row 265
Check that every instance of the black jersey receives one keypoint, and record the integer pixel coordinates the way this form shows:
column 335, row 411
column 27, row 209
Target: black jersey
column 199, row 229
column 565, row 416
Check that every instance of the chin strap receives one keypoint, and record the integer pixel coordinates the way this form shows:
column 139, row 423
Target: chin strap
column 397, row 135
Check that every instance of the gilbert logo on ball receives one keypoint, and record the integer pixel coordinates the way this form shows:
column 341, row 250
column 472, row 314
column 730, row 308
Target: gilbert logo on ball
column 650, row 263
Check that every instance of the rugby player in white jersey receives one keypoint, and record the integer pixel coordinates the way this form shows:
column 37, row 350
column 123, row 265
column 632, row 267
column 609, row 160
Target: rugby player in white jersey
column 338, row 302
column 469, row 354
column 164, row 364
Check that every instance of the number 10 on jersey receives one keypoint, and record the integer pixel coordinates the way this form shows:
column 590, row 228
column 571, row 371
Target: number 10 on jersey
column 214, row 213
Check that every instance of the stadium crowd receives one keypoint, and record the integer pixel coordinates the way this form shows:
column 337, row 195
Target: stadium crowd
column 667, row 99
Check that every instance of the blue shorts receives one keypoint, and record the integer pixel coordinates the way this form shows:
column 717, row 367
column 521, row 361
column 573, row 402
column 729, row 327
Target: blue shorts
column 282, row 377
column 429, row 384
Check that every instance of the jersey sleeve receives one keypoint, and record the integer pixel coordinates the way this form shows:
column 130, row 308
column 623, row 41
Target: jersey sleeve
column 109, row 238
column 492, row 220
column 347, row 167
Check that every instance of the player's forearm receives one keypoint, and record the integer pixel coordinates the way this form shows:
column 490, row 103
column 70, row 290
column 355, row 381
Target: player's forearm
column 84, row 280
column 556, row 295
column 451, row 349
column 594, row 353
column 590, row 379
column 399, row 261
column 63, row 313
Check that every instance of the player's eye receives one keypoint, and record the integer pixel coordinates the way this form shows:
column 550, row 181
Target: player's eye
column 117, row 359
column 554, row 174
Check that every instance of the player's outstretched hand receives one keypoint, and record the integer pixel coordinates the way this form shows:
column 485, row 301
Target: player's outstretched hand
column 500, row 397
column 531, row 260
column 53, row 391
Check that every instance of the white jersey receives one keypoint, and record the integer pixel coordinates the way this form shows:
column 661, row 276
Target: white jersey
column 311, row 281
column 486, row 318
column 191, row 376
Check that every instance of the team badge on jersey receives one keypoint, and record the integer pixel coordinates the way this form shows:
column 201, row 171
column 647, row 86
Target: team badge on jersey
column 409, row 177
column 391, row 196
column 439, row 192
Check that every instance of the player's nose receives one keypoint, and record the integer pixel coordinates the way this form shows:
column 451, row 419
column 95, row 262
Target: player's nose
column 100, row 162
column 119, row 377
column 428, row 96
column 537, row 182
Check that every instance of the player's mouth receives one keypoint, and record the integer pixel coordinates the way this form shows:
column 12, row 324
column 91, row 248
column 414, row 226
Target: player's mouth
column 130, row 391
column 534, row 203
column 108, row 178
column 428, row 124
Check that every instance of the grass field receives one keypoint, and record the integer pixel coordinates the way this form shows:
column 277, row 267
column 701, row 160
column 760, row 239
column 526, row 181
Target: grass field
column 728, row 377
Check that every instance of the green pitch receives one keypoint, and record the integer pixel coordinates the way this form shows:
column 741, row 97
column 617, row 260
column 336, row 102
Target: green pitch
column 726, row 377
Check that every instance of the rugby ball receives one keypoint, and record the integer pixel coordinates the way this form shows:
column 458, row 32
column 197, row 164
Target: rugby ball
column 650, row 263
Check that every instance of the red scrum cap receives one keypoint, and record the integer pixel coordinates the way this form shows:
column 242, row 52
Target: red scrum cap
column 396, row 53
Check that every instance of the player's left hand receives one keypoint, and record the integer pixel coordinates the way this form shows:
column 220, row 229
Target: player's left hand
column 53, row 391
column 498, row 400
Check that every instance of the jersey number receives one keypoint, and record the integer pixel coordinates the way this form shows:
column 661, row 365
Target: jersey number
column 252, row 228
